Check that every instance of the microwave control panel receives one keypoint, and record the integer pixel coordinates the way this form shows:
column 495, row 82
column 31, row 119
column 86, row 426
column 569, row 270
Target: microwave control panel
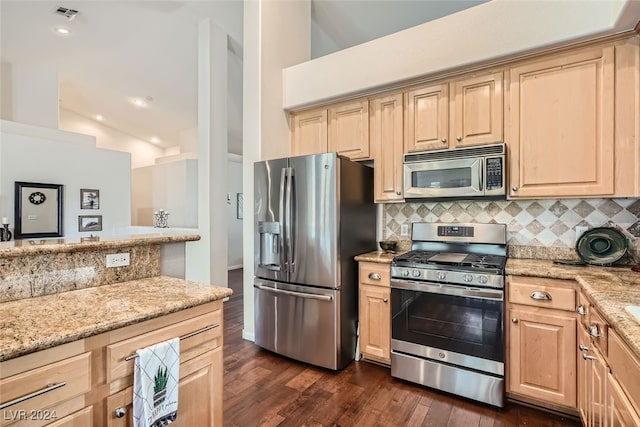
column 494, row 173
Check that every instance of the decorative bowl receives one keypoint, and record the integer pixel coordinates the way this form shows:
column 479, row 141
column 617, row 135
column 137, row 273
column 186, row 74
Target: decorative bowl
column 388, row 246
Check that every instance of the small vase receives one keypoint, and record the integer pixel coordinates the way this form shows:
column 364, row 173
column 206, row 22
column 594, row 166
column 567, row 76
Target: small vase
column 5, row 234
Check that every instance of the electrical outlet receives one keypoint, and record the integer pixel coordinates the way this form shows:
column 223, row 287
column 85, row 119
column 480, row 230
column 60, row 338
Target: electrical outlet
column 404, row 230
column 580, row 230
column 118, row 260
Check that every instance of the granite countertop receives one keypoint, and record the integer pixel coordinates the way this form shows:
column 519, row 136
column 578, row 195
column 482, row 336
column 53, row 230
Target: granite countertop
column 609, row 288
column 33, row 324
column 378, row 256
column 27, row 247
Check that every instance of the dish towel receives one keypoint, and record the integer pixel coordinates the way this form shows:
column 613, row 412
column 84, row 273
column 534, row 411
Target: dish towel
column 155, row 384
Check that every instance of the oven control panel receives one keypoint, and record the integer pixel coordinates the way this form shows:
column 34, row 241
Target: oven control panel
column 442, row 276
column 455, row 231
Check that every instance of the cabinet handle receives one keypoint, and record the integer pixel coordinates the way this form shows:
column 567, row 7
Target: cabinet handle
column 585, row 356
column 580, row 310
column 184, row 337
column 47, row 389
column 375, row 276
column 583, row 347
column 458, row 138
column 594, row 331
column 443, row 140
column 385, row 300
column 514, row 188
column 398, row 193
column 120, row 412
column 540, row 296
column 514, row 320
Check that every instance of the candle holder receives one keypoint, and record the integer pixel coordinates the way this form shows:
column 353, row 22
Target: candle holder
column 5, row 233
column 160, row 219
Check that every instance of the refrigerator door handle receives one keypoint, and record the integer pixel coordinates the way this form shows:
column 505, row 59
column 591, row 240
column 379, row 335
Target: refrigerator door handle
column 282, row 220
column 294, row 294
column 291, row 220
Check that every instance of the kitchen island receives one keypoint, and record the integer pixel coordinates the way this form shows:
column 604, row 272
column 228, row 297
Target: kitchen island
column 70, row 328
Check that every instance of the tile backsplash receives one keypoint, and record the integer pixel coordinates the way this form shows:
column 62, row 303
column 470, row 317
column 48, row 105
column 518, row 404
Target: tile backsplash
column 544, row 223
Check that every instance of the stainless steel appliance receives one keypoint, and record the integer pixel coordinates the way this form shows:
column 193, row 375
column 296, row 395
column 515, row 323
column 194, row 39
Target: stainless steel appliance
column 313, row 215
column 447, row 301
column 460, row 172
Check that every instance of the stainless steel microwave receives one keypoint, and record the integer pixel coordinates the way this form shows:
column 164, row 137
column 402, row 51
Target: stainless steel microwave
column 459, row 172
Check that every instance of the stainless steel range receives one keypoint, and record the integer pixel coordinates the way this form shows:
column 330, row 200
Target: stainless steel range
column 447, row 300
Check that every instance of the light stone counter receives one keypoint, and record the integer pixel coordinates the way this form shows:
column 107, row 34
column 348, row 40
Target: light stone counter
column 378, row 256
column 34, row 324
column 609, row 288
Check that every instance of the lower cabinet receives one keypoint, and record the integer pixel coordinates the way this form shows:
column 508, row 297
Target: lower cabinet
column 375, row 312
column 89, row 383
column 541, row 339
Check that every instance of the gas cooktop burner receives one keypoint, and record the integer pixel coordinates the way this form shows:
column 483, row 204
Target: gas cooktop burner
column 429, row 259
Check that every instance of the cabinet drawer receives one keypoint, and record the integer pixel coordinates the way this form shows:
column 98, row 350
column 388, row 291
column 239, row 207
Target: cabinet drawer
column 373, row 273
column 625, row 367
column 539, row 292
column 47, row 385
column 208, row 337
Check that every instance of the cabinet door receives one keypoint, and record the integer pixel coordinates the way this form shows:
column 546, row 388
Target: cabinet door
column 309, row 132
column 349, row 130
column 427, row 118
column 386, row 141
column 542, row 355
column 375, row 322
column 82, row 418
column 584, row 342
column 561, row 125
column 476, row 111
column 620, row 412
column 597, row 371
column 199, row 395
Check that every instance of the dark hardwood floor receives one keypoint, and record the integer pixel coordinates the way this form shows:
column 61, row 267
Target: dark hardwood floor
column 264, row 389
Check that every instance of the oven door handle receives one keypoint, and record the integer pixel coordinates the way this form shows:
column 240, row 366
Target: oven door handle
column 444, row 289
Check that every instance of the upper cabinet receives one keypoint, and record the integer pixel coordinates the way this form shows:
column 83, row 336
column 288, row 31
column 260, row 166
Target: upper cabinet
column 467, row 111
column 571, row 131
column 349, row 129
column 386, row 142
column 343, row 128
column 309, row 132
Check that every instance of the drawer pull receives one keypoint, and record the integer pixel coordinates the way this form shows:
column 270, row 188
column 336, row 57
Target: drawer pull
column 47, row 389
column 585, row 356
column 580, row 310
column 540, row 296
column 184, row 337
column 120, row 412
column 594, row 331
column 375, row 276
column 583, row 347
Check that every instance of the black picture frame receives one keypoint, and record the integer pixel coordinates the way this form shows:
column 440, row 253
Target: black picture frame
column 89, row 222
column 40, row 203
column 89, row 198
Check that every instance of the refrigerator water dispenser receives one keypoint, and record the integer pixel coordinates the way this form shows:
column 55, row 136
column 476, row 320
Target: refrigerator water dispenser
column 269, row 244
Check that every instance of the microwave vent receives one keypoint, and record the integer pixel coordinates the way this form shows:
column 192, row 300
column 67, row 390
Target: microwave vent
column 455, row 153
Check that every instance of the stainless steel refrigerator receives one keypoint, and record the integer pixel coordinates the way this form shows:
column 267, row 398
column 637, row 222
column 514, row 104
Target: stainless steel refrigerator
column 313, row 215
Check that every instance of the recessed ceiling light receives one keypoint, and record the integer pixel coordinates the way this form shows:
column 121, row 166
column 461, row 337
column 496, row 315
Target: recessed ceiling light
column 154, row 140
column 62, row 31
column 99, row 117
column 140, row 102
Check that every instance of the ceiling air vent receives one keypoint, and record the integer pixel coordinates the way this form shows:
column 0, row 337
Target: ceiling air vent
column 70, row 14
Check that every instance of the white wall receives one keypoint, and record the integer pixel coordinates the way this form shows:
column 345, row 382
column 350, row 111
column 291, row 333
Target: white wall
column 142, row 153
column 56, row 157
column 234, row 236
column 496, row 29
column 268, row 27
column 171, row 186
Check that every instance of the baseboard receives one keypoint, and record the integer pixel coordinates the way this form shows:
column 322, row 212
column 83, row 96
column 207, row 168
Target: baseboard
column 234, row 267
column 249, row 336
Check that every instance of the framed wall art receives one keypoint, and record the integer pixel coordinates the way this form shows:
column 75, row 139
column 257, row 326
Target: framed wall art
column 89, row 199
column 38, row 210
column 90, row 223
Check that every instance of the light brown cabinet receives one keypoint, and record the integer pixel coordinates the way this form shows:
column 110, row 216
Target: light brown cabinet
column 465, row 111
column 89, row 382
column 343, row 128
column 375, row 312
column 541, row 341
column 387, row 143
column 561, row 125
